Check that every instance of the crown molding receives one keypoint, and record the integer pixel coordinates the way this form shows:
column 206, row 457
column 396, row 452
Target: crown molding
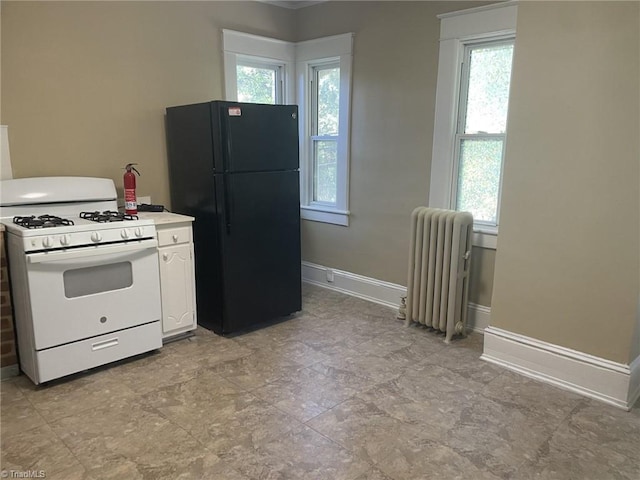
column 292, row 4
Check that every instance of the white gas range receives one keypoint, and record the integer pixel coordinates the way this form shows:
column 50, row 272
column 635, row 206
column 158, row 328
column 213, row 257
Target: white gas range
column 85, row 279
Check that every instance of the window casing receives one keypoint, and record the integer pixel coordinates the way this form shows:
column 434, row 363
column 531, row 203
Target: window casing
column 453, row 185
column 268, row 58
column 323, row 69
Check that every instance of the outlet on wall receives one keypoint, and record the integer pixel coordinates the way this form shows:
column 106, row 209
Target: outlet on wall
column 329, row 275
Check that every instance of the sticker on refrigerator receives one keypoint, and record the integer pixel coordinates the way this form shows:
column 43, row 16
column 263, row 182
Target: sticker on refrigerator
column 235, row 112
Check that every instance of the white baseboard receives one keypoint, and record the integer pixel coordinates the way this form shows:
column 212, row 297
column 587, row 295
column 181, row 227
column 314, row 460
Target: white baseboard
column 378, row 291
column 478, row 317
column 614, row 383
column 634, row 383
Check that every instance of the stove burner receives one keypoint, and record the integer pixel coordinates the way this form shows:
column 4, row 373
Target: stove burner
column 43, row 221
column 107, row 216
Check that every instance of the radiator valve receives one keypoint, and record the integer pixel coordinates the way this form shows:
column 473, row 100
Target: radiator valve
column 402, row 309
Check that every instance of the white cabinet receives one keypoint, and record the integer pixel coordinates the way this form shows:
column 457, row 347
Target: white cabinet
column 177, row 276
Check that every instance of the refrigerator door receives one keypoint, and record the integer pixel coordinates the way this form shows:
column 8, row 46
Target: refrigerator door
column 260, row 247
column 207, row 233
column 256, row 138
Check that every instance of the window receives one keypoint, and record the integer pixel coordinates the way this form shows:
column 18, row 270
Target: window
column 260, row 70
column 474, row 74
column 259, row 82
column 324, row 84
column 482, row 127
column 325, row 108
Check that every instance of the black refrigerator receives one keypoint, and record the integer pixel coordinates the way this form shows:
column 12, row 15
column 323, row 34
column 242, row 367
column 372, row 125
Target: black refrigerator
column 234, row 167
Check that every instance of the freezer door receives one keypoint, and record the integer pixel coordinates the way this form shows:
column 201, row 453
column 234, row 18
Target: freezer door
column 256, row 138
column 261, row 248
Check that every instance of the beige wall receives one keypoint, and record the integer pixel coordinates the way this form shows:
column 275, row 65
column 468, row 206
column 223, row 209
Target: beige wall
column 394, row 85
column 85, row 84
column 567, row 268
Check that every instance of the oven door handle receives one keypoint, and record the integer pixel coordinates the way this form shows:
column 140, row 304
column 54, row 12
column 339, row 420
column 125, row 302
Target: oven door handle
column 100, row 250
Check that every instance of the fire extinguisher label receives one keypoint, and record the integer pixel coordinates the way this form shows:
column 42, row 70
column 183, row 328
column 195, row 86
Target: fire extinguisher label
column 130, row 202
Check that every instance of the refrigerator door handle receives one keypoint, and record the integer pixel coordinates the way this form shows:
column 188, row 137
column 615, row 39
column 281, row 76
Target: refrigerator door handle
column 226, row 188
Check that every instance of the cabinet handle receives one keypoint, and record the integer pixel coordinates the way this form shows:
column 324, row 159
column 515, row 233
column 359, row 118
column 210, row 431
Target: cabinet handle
column 175, row 238
column 165, row 256
column 104, row 344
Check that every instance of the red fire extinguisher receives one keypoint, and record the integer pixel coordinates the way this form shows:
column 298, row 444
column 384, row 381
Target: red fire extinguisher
column 130, row 202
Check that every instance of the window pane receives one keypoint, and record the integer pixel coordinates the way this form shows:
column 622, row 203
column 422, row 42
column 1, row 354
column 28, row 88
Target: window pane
column 324, row 174
column 256, row 85
column 328, row 99
column 479, row 178
column 488, row 95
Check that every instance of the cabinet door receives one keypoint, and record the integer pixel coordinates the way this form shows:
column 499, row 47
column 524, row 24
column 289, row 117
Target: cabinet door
column 176, row 277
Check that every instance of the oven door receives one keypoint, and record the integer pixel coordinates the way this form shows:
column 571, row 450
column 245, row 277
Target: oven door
column 81, row 293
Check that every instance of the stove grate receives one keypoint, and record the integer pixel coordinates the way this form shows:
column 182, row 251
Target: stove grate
column 107, row 216
column 43, row 221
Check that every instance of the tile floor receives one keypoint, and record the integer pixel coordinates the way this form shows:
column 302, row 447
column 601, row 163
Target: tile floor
column 340, row 391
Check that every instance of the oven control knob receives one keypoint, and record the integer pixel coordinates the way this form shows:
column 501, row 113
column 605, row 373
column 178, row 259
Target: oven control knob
column 124, row 234
column 65, row 240
column 138, row 232
column 47, row 242
column 96, row 237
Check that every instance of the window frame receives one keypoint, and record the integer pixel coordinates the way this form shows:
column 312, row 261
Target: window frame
column 314, row 137
column 457, row 30
column 460, row 135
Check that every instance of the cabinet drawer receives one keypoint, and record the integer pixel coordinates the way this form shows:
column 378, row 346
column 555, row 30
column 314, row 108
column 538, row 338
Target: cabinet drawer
column 74, row 357
column 174, row 236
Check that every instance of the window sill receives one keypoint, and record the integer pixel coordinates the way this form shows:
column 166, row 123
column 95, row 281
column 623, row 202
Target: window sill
column 485, row 237
column 324, row 215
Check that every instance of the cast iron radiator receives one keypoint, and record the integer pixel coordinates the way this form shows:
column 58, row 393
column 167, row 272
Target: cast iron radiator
column 439, row 262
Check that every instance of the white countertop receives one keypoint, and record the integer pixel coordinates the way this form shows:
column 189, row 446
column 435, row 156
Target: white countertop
column 161, row 218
